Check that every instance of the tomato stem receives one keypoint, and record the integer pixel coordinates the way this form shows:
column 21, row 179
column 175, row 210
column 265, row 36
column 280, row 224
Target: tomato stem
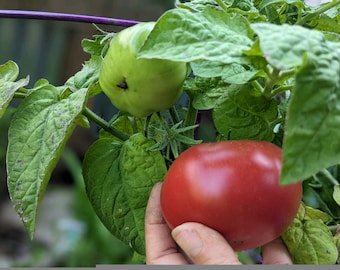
column 147, row 125
column 133, row 124
column 222, row 5
column 281, row 89
column 19, row 95
column 257, row 86
column 329, row 177
column 277, row 121
column 174, row 115
column 105, row 125
column 334, row 228
column 273, row 77
column 318, row 11
column 287, row 73
column 190, row 118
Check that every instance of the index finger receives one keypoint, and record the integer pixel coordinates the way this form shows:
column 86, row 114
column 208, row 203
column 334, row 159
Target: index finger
column 160, row 246
column 275, row 252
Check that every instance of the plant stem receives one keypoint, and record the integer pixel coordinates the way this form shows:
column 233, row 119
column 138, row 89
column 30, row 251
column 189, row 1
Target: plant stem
column 222, row 5
column 271, row 81
column 281, row 89
column 174, row 115
column 19, row 95
column 105, row 125
column 190, row 119
column 329, row 177
column 319, row 11
column 23, row 14
column 257, row 86
column 277, row 121
column 147, row 125
column 334, row 228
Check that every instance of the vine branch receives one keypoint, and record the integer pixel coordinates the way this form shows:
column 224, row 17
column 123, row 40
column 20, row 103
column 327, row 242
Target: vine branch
column 222, row 5
column 105, row 125
column 319, row 11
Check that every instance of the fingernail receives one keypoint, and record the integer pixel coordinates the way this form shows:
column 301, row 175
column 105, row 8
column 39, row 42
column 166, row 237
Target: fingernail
column 188, row 240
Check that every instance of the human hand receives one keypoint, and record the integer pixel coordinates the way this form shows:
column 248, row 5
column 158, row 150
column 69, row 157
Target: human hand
column 193, row 242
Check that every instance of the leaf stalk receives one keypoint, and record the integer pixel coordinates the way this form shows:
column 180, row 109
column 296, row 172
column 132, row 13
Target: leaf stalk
column 222, row 5
column 190, row 119
column 105, row 125
column 319, row 11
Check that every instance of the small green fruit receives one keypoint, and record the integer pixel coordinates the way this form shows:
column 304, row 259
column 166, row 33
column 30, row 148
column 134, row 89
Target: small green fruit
column 139, row 86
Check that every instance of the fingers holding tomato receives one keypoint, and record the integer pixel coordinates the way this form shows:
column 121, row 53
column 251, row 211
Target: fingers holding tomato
column 232, row 187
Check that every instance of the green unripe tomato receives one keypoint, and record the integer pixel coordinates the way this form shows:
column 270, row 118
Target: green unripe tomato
column 139, row 86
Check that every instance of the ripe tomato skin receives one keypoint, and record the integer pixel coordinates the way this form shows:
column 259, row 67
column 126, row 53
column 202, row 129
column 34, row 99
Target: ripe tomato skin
column 232, row 187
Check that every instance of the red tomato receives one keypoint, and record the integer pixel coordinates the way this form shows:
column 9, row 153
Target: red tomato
column 232, row 187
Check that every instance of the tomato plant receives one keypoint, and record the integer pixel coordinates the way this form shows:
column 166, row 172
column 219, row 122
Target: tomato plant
column 233, row 187
column 260, row 71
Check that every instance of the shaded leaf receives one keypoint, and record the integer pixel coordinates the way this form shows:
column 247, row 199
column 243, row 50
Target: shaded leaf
column 119, row 177
column 208, row 91
column 242, row 113
column 230, row 73
column 312, row 143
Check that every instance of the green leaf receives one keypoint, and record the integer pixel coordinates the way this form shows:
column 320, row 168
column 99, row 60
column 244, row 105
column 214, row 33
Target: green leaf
column 336, row 194
column 8, row 86
column 325, row 23
column 9, row 71
column 119, row 177
column 199, row 5
column 284, row 46
column 181, row 35
column 238, row 74
column 243, row 113
column 209, row 90
column 312, row 213
column 311, row 141
column 246, row 8
column 245, row 5
column 87, row 76
column 230, row 73
column 337, row 242
column 310, row 242
column 267, row 3
column 308, row 239
column 37, row 135
column 98, row 46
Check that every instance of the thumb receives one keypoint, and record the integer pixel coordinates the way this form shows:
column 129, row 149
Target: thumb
column 204, row 245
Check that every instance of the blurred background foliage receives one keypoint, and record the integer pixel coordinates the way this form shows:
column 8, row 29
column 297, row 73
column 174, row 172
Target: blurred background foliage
column 68, row 232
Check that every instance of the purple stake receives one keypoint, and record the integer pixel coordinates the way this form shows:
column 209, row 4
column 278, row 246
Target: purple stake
column 23, row 14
